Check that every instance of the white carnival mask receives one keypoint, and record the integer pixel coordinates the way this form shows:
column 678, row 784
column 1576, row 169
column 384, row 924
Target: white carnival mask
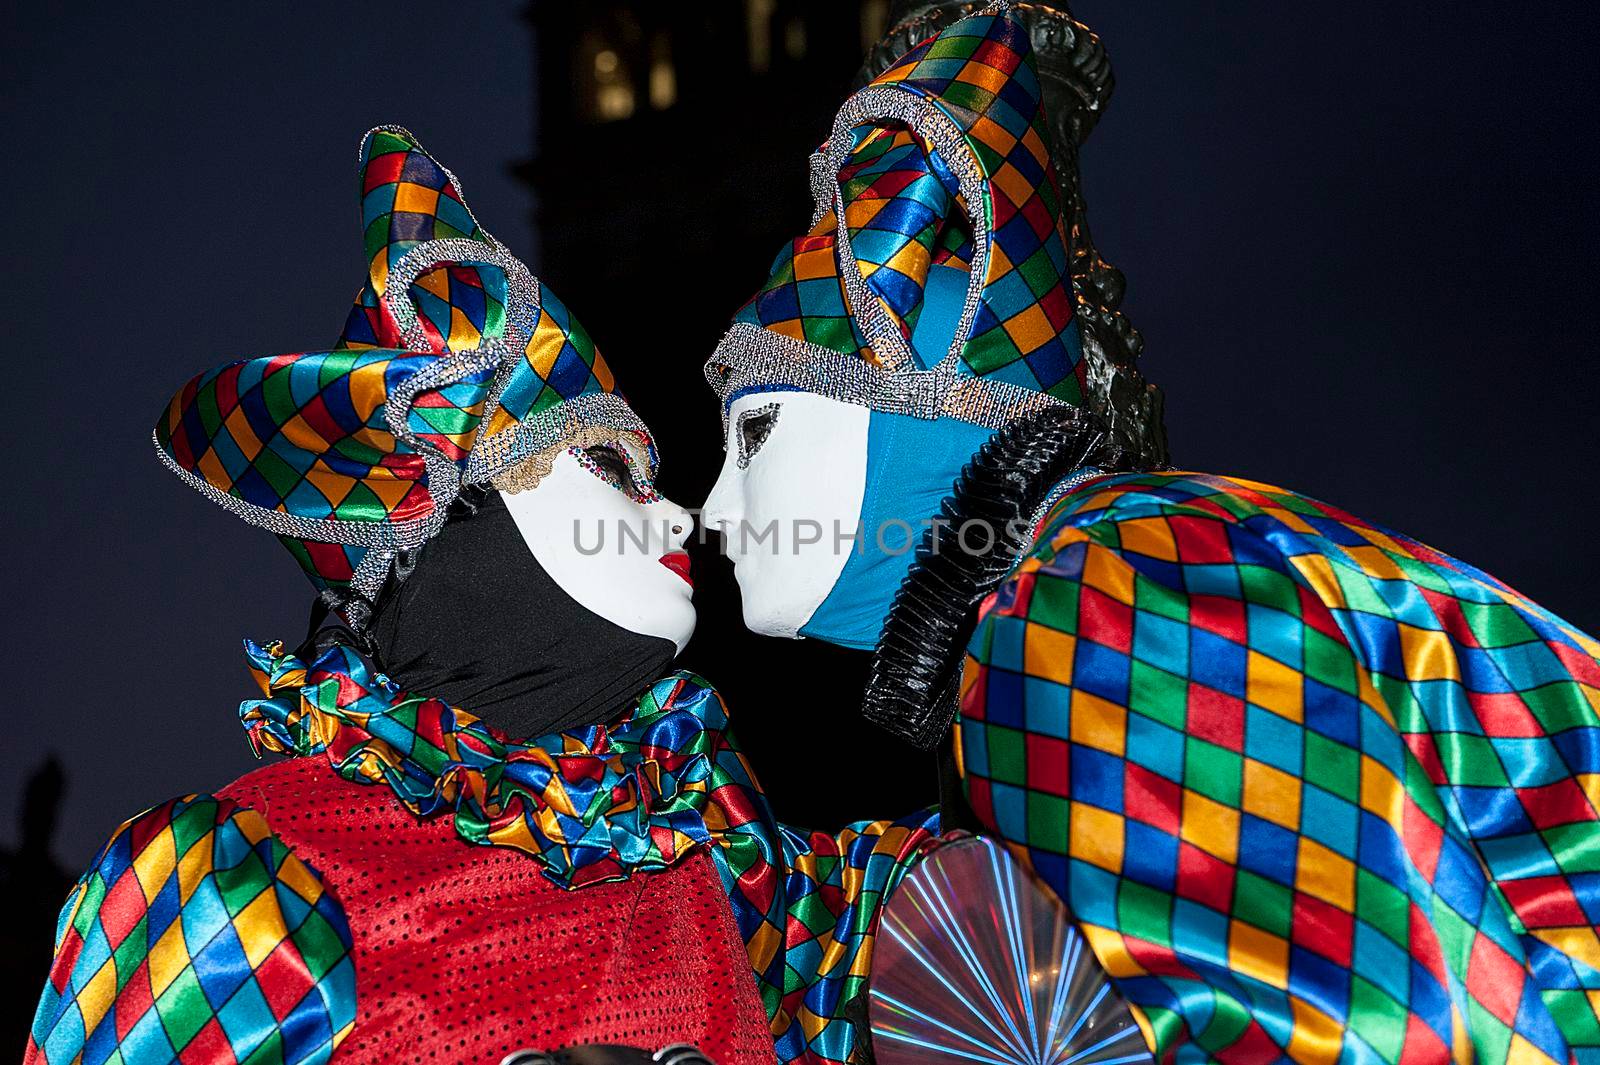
column 787, row 500
column 610, row 541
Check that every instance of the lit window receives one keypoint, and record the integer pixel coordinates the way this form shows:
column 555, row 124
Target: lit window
column 758, row 23
column 794, row 39
column 663, row 77
column 613, row 102
column 607, row 83
column 874, row 21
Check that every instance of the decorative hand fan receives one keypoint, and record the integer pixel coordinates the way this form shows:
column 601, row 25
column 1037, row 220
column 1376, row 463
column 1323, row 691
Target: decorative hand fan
column 976, row 962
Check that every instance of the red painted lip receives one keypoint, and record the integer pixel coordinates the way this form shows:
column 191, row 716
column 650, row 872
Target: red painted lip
column 678, row 562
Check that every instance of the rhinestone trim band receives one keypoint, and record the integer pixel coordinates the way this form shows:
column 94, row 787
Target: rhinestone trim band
column 749, row 357
column 924, row 118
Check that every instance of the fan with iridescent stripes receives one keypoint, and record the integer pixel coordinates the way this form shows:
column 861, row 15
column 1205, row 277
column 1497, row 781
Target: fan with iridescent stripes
column 976, row 962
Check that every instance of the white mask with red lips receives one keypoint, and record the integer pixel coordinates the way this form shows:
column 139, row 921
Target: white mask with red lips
column 610, row 541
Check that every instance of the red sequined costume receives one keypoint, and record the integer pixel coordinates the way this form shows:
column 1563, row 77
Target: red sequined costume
column 467, row 953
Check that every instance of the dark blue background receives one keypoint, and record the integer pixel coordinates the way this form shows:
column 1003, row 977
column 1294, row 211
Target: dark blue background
column 1360, row 241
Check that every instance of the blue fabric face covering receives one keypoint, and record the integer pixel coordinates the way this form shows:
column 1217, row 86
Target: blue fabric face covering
column 908, row 464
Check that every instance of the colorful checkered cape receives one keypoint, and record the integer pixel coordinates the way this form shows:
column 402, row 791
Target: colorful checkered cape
column 939, row 162
column 454, row 366
column 1311, row 788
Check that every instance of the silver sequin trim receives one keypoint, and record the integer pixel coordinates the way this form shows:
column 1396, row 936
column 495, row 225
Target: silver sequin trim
column 929, row 121
column 750, row 357
column 1063, row 488
column 748, row 451
column 522, row 291
column 324, row 530
column 486, row 459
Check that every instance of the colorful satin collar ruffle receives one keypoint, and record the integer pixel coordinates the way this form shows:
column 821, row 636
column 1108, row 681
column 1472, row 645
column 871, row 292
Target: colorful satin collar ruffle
column 591, row 805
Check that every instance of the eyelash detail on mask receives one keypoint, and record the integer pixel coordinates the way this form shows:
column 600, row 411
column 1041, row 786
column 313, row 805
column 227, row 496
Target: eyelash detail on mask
column 632, row 483
column 750, row 438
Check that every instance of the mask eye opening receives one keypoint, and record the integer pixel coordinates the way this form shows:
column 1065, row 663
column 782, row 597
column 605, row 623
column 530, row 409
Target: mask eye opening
column 621, row 466
column 609, row 464
column 752, row 429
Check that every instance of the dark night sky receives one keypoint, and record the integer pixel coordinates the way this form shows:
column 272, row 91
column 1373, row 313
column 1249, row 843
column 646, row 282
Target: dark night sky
column 1360, row 242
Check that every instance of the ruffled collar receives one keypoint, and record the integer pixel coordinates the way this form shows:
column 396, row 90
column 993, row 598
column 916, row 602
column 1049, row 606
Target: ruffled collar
column 1003, row 491
column 590, row 805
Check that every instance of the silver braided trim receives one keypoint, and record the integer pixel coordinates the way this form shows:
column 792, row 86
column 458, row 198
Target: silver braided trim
column 487, row 458
column 383, row 538
column 929, row 121
column 822, row 186
column 522, row 292
column 522, row 315
column 749, row 356
column 442, row 477
column 371, row 573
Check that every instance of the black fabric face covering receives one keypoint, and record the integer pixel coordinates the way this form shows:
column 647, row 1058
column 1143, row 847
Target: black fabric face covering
column 479, row 624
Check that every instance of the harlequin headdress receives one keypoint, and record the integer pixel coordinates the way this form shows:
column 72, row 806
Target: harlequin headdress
column 940, row 161
column 455, row 367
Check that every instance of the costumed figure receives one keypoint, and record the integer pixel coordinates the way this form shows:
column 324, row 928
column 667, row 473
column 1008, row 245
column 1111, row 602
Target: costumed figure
column 1310, row 789
column 501, row 829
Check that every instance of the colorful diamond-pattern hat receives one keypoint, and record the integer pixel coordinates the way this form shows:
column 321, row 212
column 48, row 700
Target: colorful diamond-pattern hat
column 455, row 365
column 940, row 161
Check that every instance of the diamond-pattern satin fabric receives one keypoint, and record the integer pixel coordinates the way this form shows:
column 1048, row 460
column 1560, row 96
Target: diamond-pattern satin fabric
column 408, row 198
column 1310, row 787
column 608, row 802
column 306, row 437
column 196, row 936
column 904, row 211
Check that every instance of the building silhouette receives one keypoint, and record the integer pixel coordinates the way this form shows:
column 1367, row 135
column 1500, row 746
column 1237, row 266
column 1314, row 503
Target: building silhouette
column 669, row 161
